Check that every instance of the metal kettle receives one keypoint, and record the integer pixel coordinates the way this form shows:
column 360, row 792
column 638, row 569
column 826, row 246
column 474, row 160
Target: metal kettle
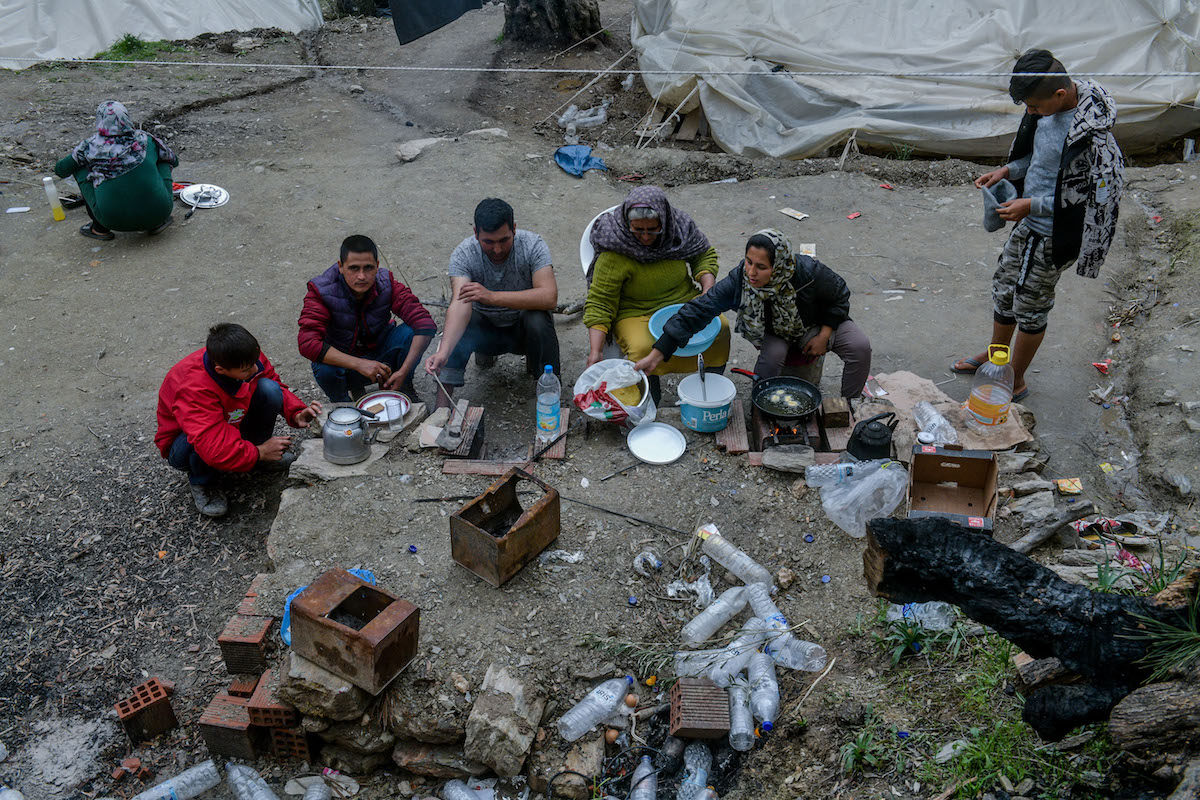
column 345, row 436
column 872, row 438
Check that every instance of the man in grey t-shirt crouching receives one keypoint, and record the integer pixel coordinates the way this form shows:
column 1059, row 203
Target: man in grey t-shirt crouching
column 504, row 291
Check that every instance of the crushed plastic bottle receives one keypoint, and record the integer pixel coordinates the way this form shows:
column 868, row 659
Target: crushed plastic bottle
column 741, row 719
column 645, row 561
column 711, row 619
column 318, row 790
column 598, row 706
column 187, row 784
column 764, row 690
column 818, row 475
column 10, row 794
column 247, row 784
column 457, row 790
column 722, row 664
column 933, row 616
column 644, row 784
column 697, row 763
column 929, row 420
column 731, row 557
column 788, row 650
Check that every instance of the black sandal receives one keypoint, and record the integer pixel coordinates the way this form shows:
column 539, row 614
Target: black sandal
column 86, row 230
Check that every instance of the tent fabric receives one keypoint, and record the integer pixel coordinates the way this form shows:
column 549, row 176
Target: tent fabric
column 415, row 18
column 765, row 110
column 46, row 29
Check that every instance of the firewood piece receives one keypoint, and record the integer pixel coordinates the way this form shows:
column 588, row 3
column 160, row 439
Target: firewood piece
column 1055, row 711
column 1158, row 717
column 836, row 411
column 1035, row 673
column 1050, row 525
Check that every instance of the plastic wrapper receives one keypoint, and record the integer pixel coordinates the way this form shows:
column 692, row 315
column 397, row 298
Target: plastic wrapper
column 852, row 502
column 593, row 396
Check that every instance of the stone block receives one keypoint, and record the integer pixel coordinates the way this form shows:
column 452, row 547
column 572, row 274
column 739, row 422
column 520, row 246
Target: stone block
column 317, row 692
column 361, row 736
column 1033, row 507
column 550, row 756
column 503, row 721
column 412, row 716
column 344, row 760
column 1031, row 483
column 311, row 466
column 440, row 761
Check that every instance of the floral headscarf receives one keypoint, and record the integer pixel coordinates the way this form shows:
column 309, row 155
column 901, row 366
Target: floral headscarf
column 780, row 292
column 680, row 238
column 117, row 146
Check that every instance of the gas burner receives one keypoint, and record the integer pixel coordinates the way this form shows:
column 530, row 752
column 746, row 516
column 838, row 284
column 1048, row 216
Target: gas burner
column 787, row 434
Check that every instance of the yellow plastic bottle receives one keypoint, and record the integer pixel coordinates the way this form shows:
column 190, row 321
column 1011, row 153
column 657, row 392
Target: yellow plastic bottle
column 56, row 208
column 992, row 390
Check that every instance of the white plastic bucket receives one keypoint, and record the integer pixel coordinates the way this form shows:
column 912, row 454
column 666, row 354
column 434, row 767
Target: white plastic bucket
column 706, row 416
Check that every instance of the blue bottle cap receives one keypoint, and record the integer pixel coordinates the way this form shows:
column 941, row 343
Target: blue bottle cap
column 548, row 369
column 767, row 725
column 412, row 548
column 632, row 600
column 825, row 579
column 808, row 537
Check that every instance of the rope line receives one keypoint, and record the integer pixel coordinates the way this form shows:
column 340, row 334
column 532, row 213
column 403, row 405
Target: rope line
column 581, row 71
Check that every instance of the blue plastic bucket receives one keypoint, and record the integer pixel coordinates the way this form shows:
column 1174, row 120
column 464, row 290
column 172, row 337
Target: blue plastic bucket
column 706, row 416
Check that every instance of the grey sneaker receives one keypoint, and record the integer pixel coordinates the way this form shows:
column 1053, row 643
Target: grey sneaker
column 209, row 502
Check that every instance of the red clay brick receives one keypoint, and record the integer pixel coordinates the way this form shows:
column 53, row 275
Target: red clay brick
column 264, row 707
column 225, row 726
column 147, row 711
column 118, row 774
column 244, row 643
column 243, row 686
column 254, row 606
column 290, row 743
column 256, row 585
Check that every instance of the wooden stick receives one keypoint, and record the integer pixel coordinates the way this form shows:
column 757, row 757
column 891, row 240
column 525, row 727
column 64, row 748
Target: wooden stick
column 1051, row 524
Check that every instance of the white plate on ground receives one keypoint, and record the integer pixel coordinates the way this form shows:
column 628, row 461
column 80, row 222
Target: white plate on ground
column 377, row 398
column 204, row 195
column 656, row 443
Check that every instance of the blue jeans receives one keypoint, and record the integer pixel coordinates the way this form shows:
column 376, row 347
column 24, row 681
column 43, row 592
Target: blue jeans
column 257, row 426
column 338, row 382
column 531, row 335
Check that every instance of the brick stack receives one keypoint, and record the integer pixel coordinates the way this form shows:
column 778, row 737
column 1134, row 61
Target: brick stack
column 147, row 711
column 267, row 711
column 225, row 726
column 244, row 641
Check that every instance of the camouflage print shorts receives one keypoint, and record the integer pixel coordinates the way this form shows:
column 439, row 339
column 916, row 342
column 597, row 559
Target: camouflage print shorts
column 1023, row 286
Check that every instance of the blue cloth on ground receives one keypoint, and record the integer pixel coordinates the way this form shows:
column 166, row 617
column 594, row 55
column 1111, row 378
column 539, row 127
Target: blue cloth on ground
column 576, row 159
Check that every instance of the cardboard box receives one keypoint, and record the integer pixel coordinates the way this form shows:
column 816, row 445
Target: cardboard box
column 955, row 484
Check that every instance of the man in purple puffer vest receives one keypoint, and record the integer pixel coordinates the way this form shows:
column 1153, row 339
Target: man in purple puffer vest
column 346, row 326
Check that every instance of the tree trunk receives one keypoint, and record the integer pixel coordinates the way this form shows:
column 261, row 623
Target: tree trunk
column 932, row 559
column 1158, row 717
column 555, row 22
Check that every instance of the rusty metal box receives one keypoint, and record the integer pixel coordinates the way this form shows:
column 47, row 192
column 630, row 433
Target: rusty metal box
column 494, row 537
column 699, row 709
column 355, row 630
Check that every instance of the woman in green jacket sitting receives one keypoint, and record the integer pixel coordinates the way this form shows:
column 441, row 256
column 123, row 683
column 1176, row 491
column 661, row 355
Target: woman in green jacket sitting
column 649, row 255
column 124, row 175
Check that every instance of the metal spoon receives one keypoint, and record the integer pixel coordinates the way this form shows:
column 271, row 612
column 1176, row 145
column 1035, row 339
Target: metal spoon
column 703, row 386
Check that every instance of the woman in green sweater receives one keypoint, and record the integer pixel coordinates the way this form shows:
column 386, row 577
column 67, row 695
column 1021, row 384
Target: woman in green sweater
column 124, row 175
column 649, row 255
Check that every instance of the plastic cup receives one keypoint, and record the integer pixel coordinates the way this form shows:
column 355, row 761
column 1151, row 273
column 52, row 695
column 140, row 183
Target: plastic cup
column 395, row 417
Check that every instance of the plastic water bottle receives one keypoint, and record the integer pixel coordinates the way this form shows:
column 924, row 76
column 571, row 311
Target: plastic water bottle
column 818, row 475
column 721, row 665
column 934, row 615
column 457, row 790
column 56, row 209
column 992, row 390
column 670, row 754
column 764, row 690
column 930, row 420
column 741, row 721
column 730, row 557
column 318, row 790
column 697, row 763
column 598, row 706
column 10, row 794
column 189, row 783
column 644, row 785
column 549, row 405
column 711, row 619
column 247, row 784
column 788, row 650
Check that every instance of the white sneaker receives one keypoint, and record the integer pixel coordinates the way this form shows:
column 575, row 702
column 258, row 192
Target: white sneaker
column 209, row 502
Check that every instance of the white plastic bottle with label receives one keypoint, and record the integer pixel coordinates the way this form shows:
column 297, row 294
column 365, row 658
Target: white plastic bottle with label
column 930, row 420
column 741, row 720
column 719, row 665
column 788, row 650
column 598, row 706
column 247, row 784
column 644, row 784
column 764, row 690
column 817, row 475
column 731, row 557
column 549, row 405
column 185, row 785
column 711, row 619
column 457, row 790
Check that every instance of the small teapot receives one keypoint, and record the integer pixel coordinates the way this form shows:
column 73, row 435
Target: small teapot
column 872, row 438
column 345, row 436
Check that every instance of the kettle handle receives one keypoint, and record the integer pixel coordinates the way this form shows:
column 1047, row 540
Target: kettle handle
column 895, row 421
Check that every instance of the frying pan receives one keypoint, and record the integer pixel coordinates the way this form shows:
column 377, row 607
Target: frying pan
column 763, row 387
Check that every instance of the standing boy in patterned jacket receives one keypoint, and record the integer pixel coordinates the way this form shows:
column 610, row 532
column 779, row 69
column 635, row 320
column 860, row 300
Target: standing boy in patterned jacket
column 1069, row 174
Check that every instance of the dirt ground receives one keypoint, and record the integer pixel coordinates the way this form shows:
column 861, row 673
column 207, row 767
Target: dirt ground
column 110, row 576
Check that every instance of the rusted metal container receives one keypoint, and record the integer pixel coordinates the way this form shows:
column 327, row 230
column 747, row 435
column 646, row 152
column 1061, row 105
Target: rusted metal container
column 699, row 709
column 355, row 630
column 494, row 537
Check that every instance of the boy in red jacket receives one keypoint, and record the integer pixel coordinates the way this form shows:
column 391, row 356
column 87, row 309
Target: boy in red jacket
column 216, row 413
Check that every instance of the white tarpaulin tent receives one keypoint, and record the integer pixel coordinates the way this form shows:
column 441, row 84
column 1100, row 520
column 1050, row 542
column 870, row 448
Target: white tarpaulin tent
column 756, row 111
column 45, row 29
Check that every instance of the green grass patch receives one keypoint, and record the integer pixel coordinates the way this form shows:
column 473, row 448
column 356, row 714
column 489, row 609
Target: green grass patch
column 132, row 48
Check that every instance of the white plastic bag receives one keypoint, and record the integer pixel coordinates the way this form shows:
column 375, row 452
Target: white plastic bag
column 850, row 503
column 591, row 393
